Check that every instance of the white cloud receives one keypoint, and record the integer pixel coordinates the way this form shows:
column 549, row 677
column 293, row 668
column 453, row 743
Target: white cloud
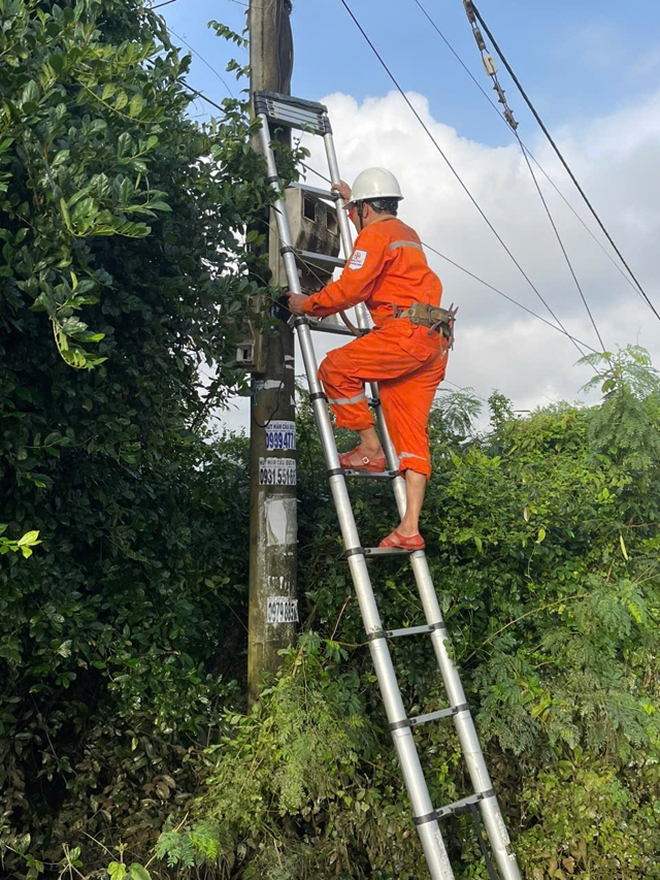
column 498, row 345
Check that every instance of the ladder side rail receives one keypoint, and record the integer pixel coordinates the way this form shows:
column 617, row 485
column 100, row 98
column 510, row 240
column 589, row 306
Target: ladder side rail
column 362, row 314
column 423, row 811
column 279, row 209
column 335, row 177
column 463, row 720
column 464, row 724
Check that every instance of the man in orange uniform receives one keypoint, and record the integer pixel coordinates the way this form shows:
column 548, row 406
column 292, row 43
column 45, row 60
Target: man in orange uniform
column 389, row 273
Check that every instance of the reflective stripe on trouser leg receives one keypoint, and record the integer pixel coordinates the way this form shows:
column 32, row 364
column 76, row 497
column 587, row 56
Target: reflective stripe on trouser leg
column 346, row 401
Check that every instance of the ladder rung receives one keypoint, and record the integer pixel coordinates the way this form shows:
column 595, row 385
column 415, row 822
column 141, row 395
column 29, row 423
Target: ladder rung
column 323, row 261
column 330, row 195
column 432, row 716
column 293, row 112
column 458, row 806
column 340, row 329
column 372, row 475
column 386, row 551
column 408, row 631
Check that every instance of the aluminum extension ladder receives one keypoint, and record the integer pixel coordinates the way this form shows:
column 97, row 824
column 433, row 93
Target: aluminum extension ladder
column 290, row 112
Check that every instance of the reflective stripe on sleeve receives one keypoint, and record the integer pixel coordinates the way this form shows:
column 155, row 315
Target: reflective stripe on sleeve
column 412, row 455
column 412, row 244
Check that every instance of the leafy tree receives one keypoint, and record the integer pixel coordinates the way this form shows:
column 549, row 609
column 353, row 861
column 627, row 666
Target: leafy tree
column 123, row 227
column 625, row 427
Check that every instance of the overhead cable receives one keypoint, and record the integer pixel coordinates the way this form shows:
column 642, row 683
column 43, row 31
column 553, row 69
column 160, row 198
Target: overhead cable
column 552, row 183
column 201, row 58
column 453, row 170
column 470, row 5
column 201, row 95
column 496, row 290
column 491, row 69
column 561, row 245
column 560, row 329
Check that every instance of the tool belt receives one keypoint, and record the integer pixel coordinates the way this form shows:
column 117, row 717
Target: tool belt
column 438, row 320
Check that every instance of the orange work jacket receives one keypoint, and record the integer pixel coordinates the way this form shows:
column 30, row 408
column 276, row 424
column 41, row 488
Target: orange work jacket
column 387, row 268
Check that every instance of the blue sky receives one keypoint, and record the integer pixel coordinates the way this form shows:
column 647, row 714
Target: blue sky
column 593, row 72
column 574, row 58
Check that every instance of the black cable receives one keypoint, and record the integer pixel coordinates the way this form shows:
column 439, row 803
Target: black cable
column 314, row 171
column 554, row 146
column 531, row 170
column 529, row 152
column 453, row 170
column 490, row 867
column 201, row 57
column 201, row 95
column 462, row 63
column 515, row 302
column 561, row 243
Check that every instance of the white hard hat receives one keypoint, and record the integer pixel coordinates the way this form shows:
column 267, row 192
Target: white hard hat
column 375, row 183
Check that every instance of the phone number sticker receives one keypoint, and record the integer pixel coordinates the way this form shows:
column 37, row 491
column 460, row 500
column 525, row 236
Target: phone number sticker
column 281, row 609
column 277, row 472
column 281, row 435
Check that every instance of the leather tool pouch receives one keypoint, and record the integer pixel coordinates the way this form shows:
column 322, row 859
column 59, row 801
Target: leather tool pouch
column 434, row 317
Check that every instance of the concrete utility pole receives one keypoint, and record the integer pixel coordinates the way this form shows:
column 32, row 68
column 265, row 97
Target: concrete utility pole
column 273, row 610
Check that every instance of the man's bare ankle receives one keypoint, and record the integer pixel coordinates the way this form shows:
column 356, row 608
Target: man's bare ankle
column 372, row 451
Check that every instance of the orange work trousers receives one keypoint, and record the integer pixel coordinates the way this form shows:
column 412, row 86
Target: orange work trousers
column 408, row 365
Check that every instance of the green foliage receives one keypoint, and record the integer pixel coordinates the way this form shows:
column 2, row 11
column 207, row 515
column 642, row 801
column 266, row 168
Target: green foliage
column 288, row 790
column 625, row 426
column 135, row 871
column 123, row 225
column 544, row 553
column 454, row 413
column 98, row 165
column 24, row 544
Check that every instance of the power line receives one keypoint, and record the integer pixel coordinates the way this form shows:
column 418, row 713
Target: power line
column 452, row 169
column 559, row 329
column 561, row 244
column 200, row 56
column 201, row 95
column 492, row 103
column 491, row 70
column 496, row 290
column 545, row 131
column 559, row 326
column 314, row 171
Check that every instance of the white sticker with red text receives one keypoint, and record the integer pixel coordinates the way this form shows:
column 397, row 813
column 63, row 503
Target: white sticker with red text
column 357, row 260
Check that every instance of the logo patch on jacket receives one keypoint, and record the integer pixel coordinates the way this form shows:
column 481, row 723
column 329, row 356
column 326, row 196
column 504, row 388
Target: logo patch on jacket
column 357, row 260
